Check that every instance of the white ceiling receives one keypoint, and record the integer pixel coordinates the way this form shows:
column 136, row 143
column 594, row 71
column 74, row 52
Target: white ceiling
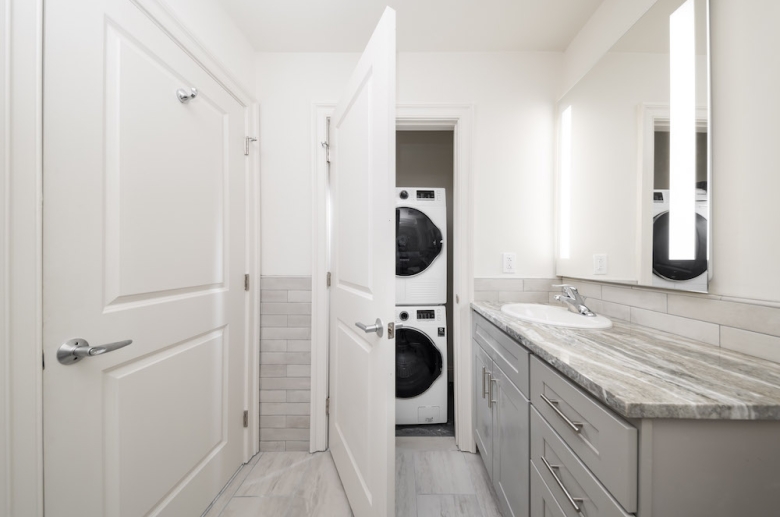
column 423, row 25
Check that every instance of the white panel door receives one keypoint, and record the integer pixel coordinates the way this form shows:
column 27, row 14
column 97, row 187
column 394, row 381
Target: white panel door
column 144, row 240
column 362, row 364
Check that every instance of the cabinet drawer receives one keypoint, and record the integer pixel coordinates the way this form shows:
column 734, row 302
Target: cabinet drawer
column 508, row 355
column 572, row 475
column 543, row 504
column 605, row 443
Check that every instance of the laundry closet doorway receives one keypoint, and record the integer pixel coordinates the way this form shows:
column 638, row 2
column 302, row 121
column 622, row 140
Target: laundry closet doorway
column 457, row 121
column 424, row 186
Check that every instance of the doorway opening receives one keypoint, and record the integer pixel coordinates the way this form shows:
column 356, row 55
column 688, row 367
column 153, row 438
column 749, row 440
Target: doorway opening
column 425, row 396
column 457, row 121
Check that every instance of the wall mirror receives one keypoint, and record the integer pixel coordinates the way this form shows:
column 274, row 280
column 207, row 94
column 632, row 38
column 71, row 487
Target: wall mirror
column 633, row 177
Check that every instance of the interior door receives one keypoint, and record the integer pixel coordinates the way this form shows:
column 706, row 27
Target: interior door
column 144, row 240
column 362, row 366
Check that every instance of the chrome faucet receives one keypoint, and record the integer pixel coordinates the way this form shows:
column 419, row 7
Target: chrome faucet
column 571, row 297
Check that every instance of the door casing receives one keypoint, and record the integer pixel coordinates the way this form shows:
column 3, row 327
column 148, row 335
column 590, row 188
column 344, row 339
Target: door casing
column 21, row 474
column 409, row 117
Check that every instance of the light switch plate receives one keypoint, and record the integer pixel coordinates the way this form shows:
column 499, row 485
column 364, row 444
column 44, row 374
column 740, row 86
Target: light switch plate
column 600, row 264
column 510, row 259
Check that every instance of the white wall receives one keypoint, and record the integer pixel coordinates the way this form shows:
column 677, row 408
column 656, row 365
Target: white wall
column 745, row 136
column 513, row 147
column 215, row 30
column 610, row 21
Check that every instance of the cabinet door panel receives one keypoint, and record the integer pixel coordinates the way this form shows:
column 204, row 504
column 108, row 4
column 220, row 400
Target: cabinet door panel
column 507, row 353
column 511, row 442
column 483, row 425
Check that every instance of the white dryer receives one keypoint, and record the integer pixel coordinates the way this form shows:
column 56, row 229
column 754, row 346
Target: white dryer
column 688, row 275
column 420, row 249
column 420, row 365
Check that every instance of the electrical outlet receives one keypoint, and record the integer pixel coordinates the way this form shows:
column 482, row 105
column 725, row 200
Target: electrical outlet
column 509, row 262
column 600, row 264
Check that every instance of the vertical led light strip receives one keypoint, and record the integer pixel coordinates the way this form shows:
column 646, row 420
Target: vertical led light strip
column 682, row 146
column 564, row 244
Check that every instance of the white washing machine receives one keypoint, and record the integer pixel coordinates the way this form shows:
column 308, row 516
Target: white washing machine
column 420, row 249
column 688, row 275
column 420, row 365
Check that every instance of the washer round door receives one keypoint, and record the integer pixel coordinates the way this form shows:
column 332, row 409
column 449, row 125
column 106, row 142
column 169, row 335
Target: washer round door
column 678, row 270
column 418, row 363
column 417, row 241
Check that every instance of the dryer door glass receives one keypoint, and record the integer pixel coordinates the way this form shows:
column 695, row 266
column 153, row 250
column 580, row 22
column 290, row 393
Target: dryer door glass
column 678, row 270
column 418, row 363
column 417, row 241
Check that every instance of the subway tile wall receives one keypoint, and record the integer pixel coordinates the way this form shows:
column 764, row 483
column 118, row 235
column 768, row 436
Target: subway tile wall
column 748, row 327
column 285, row 363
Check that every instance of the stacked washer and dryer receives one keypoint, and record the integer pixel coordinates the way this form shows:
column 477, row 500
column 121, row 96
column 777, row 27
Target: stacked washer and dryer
column 421, row 295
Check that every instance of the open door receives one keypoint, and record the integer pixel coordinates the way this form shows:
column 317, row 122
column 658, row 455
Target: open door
column 362, row 345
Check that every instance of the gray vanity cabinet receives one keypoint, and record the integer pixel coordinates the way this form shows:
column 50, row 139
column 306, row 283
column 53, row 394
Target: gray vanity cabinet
column 502, row 428
column 554, row 450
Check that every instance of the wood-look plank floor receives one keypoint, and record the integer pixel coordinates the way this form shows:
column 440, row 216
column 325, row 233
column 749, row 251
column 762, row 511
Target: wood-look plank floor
column 433, row 478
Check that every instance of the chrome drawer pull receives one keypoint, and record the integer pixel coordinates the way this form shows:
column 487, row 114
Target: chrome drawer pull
column 572, row 500
column 484, row 372
column 576, row 426
column 490, row 390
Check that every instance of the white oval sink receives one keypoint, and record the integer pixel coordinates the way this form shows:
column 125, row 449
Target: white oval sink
column 554, row 315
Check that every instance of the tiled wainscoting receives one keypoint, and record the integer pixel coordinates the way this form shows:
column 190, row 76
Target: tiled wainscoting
column 751, row 328
column 515, row 290
column 285, row 363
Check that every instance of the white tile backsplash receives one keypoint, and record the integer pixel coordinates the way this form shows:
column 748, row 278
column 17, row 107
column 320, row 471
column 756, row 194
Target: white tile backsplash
column 744, row 326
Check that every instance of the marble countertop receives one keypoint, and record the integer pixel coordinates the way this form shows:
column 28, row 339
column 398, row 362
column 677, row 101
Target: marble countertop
column 645, row 373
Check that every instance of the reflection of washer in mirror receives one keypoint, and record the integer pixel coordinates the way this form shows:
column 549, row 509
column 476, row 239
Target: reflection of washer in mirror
column 689, row 275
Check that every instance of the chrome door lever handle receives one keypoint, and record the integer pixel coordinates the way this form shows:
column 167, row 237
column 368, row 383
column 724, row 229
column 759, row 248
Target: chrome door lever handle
column 376, row 327
column 77, row 349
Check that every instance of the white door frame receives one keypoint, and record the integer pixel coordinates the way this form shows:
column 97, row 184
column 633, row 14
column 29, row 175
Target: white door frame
column 409, row 117
column 21, row 244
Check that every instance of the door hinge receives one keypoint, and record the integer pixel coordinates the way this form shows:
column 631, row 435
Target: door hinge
column 327, row 279
column 43, row 361
column 247, row 141
column 246, row 282
column 327, row 406
column 391, row 330
column 246, row 418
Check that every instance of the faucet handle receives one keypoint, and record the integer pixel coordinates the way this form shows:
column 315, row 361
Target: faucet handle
column 569, row 290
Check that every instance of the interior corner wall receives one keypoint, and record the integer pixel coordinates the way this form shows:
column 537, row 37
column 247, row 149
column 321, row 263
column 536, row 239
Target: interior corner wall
column 513, row 95
column 216, row 31
column 607, row 24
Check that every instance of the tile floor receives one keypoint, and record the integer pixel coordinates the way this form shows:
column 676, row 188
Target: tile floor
column 433, row 478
